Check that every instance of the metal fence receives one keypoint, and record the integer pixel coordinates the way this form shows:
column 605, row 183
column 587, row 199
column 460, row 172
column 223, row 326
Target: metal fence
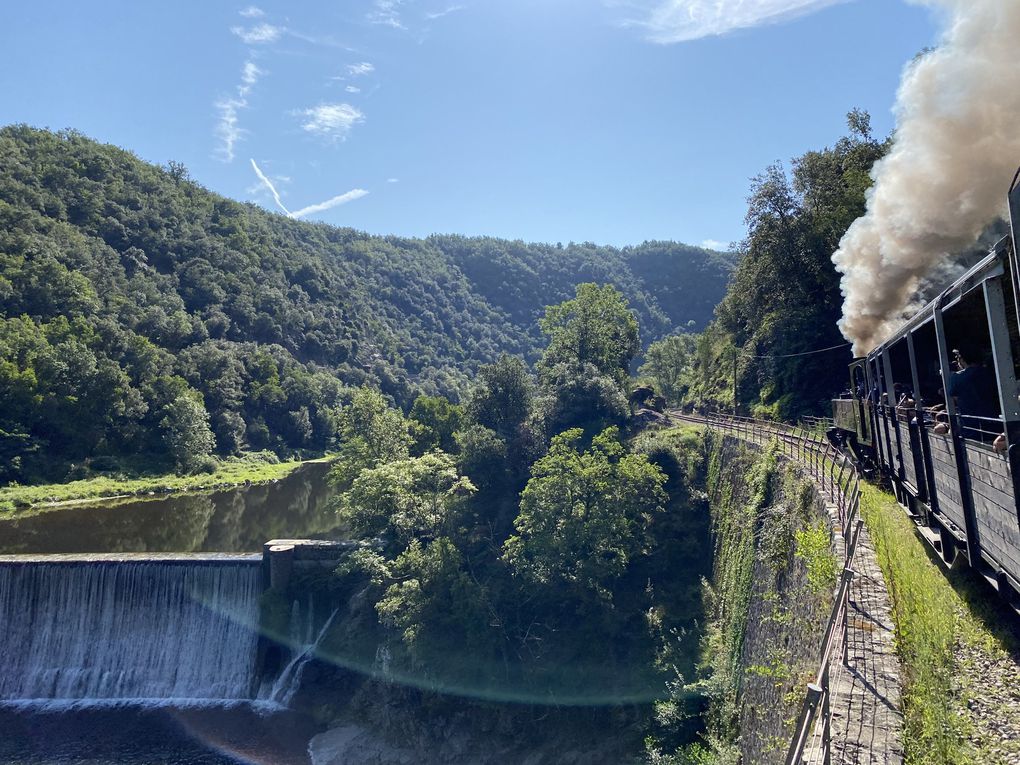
column 840, row 482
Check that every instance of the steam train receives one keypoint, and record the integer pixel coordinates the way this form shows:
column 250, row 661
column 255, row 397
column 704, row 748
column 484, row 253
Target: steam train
column 957, row 473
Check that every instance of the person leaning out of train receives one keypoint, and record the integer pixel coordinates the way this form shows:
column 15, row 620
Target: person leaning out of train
column 974, row 389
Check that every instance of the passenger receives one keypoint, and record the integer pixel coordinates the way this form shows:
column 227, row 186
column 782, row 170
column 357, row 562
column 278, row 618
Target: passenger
column 974, row 389
column 941, row 424
column 999, row 445
column 905, row 406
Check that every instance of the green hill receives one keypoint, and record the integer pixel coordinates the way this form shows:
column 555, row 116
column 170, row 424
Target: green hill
column 128, row 291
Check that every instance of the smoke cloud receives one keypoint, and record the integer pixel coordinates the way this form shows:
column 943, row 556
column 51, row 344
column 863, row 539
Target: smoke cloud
column 956, row 147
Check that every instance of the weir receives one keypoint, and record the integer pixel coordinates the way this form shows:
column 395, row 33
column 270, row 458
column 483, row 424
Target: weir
column 160, row 629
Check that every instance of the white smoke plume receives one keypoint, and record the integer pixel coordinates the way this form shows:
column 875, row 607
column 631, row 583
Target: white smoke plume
column 955, row 149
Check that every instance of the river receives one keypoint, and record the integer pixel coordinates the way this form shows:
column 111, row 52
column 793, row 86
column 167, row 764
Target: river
column 231, row 520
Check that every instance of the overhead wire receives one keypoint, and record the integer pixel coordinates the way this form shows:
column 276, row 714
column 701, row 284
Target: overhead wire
column 793, row 355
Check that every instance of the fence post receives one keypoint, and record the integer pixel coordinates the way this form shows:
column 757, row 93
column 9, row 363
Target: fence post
column 826, row 719
column 794, row 755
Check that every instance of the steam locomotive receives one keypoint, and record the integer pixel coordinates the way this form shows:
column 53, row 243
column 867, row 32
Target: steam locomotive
column 956, row 472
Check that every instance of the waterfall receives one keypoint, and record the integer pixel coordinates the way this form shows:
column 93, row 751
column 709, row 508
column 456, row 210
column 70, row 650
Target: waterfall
column 129, row 630
column 287, row 684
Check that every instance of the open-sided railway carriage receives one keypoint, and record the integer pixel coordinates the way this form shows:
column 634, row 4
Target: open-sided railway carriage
column 963, row 492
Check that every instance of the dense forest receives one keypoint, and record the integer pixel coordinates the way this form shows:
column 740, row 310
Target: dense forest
column 141, row 314
column 538, row 529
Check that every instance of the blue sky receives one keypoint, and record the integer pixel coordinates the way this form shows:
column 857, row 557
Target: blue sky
column 613, row 121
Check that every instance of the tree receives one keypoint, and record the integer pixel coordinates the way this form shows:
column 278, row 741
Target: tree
column 579, row 396
column 406, row 499
column 583, row 514
column 784, row 299
column 501, row 399
column 669, row 365
column 186, row 432
column 371, row 433
column 483, row 457
column 437, row 420
column 432, row 596
column 595, row 327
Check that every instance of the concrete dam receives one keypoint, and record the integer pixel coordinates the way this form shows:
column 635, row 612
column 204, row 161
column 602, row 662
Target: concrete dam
column 151, row 629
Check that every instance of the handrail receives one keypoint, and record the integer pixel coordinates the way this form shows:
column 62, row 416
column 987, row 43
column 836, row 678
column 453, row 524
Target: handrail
column 820, row 459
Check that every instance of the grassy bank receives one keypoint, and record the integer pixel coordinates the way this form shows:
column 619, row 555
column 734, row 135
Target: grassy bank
column 938, row 620
column 261, row 467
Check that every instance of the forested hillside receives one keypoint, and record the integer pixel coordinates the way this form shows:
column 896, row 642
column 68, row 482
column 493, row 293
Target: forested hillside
column 142, row 314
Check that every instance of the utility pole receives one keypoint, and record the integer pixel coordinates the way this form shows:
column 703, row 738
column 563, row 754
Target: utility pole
column 734, row 381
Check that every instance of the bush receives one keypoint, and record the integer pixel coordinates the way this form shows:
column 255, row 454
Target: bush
column 207, row 464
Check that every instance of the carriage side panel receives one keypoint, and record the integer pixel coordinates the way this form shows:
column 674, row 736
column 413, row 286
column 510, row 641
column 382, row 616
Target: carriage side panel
column 994, row 507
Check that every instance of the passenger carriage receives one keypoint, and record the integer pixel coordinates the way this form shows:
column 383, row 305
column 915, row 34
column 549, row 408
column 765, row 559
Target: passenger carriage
column 963, row 493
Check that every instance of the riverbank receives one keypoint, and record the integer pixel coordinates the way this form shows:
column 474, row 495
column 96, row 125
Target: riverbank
column 247, row 469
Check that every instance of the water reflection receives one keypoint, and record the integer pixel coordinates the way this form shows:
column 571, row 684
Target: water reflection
column 234, row 520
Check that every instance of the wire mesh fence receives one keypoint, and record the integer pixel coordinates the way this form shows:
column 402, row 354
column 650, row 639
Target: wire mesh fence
column 839, row 480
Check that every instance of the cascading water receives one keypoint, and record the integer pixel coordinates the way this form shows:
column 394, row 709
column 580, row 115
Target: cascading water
column 287, row 684
column 162, row 631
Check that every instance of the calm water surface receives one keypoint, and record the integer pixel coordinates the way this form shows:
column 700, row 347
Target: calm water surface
column 233, row 520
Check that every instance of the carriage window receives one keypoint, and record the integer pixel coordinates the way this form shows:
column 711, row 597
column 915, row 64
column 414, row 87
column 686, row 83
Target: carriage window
column 971, row 379
column 926, row 354
column 858, row 386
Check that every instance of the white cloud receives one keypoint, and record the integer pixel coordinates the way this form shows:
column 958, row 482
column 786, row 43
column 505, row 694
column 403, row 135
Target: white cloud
column 269, row 185
column 228, row 128
column 715, row 244
column 393, row 180
column 387, row 13
column 432, row 16
column 342, row 199
column 259, row 34
column 352, row 89
column 332, row 121
column 356, row 70
column 673, row 21
column 250, row 74
column 252, row 12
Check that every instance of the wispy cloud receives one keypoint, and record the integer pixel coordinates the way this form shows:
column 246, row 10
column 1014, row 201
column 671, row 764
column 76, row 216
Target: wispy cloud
column 715, row 244
column 269, row 185
column 340, row 199
column 393, row 180
column 333, row 121
column 359, row 69
column 250, row 74
column 260, row 34
column 352, row 89
column 252, row 12
column 336, row 201
column 433, row 15
column 228, row 128
column 387, row 13
column 673, row 21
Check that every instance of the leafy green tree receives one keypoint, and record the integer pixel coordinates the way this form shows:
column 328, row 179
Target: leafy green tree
column 483, row 457
column 410, row 498
column 584, row 513
column 186, row 432
column 432, row 599
column 669, row 366
column 501, row 399
column 784, row 300
column 371, row 434
column 579, row 396
column 595, row 327
column 437, row 421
